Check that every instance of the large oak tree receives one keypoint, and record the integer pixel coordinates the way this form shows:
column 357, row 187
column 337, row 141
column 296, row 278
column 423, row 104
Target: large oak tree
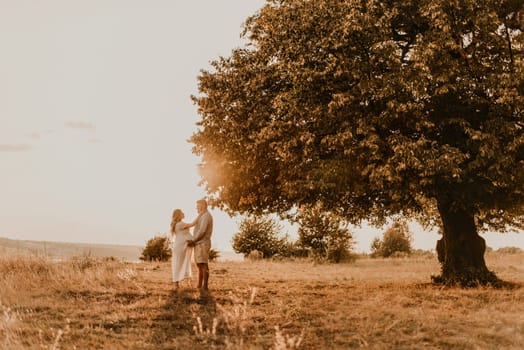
column 375, row 109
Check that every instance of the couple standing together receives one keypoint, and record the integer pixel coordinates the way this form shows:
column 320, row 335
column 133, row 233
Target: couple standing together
column 183, row 244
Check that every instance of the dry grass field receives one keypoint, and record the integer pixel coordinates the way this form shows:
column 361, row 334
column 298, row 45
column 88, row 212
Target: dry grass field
column 65, row 249
column 92, row 303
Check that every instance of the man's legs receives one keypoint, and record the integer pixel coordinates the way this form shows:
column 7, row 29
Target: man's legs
column 206, row 275
column 200, row 276
column 203, row 275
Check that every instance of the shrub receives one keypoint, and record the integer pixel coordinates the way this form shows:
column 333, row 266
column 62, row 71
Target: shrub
column 255, row 255
column 509, row 250
column 157, row 249
column 213, row 254
column 396, row 241
column 297, row 250
column 421, row 253
column 324, row 235
column 259, row 233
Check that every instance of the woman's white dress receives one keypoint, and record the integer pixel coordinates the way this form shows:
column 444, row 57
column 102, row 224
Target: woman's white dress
column 181, row 257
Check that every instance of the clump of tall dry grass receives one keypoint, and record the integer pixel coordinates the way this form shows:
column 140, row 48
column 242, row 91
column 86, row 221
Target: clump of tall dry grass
column 230, row 321
column 235, row 327
column 24, row 277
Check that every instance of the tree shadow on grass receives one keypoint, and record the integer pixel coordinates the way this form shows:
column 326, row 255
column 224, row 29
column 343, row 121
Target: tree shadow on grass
column 186, row 315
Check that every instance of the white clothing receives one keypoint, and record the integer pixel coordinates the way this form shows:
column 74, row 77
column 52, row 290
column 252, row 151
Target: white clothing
column 181, row 253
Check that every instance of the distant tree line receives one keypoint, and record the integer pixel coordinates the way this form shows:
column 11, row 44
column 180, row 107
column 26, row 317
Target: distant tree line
column 322, row 236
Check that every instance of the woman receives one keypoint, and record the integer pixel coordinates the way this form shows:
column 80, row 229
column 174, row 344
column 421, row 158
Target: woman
column 181, row 252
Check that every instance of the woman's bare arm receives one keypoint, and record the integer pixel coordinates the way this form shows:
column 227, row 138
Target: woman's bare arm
column 191, row 224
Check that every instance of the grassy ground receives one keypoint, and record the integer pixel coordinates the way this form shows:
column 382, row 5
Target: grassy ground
column 67, row 249
column 88, row 303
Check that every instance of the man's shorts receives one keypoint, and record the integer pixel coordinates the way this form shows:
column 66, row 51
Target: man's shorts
column 202, row 252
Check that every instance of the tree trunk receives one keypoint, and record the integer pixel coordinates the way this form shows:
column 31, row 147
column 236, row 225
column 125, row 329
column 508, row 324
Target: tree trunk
column 461, row 251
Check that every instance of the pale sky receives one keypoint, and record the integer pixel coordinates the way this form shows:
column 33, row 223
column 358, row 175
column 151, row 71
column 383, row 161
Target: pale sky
column 95, row 113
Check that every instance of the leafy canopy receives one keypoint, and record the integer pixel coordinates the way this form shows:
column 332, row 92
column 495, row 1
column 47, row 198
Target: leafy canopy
column 373, row 108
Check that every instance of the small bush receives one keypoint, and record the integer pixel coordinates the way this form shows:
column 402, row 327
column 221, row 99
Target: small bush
column 156, row 249
column 509, row 250
column 421, row 253
column 259, row 233
column 324, row 235
column 396, row 241
column 255, row 255
column 84, row 261
column 213, row 254
column 297, row 250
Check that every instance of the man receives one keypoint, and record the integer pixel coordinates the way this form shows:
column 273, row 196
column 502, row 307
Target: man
column 202, row 242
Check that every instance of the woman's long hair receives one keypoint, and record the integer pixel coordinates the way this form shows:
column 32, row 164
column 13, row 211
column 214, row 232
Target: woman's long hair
column 177, row 216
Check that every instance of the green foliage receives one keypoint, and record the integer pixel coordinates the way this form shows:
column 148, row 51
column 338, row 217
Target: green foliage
column 156, row 249
column 324, row 235
column 396, row 242
column 374, row 108
column 213, row 254
column 259, row 233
